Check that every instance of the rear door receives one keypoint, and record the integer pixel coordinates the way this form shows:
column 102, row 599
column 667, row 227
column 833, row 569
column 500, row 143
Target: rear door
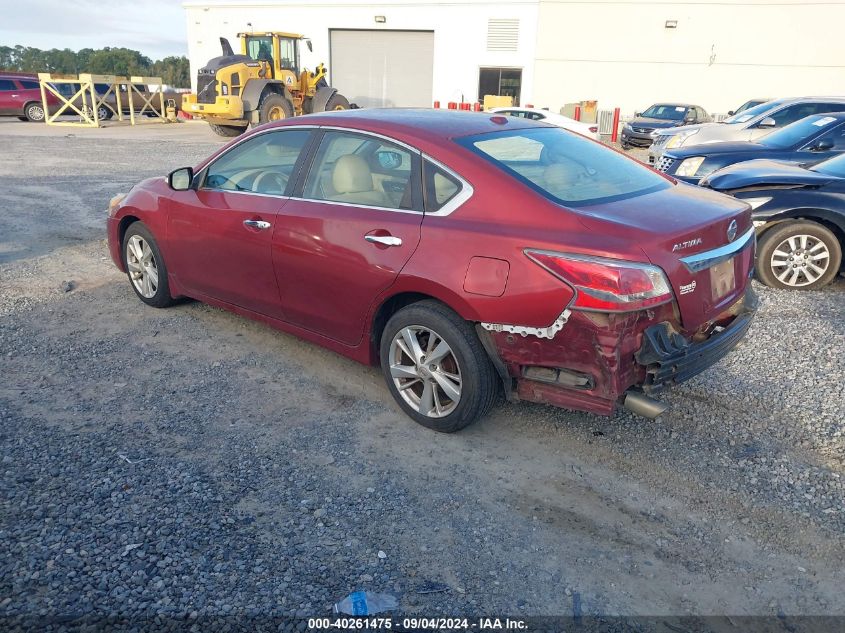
column 350, row 227
column 220, row 234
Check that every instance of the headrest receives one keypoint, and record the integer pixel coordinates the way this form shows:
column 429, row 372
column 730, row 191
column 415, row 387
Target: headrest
column 351, row 174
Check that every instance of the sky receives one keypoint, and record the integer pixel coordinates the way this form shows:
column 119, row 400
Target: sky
column 154, row 27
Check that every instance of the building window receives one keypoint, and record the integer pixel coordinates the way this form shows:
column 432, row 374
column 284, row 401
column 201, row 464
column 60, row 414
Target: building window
column 506, row 82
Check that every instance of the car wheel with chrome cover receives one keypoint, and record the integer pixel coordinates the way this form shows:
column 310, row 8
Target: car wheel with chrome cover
column 436, row 368
column 798, row 255
column 145, row 267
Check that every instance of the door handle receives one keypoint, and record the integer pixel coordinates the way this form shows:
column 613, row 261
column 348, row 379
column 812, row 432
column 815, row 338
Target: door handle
column 257, row 224
column 386, row 240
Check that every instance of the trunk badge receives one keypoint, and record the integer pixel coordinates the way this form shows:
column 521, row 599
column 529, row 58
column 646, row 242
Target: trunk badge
column 732, row 228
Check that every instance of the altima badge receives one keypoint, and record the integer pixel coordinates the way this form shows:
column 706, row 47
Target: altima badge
column 688, row 244
column 732, row 230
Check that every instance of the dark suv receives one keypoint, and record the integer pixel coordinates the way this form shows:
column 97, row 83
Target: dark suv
column 638, row 133
column 20, row 96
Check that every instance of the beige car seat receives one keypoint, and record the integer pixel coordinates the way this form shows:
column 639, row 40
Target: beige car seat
column 353, row 181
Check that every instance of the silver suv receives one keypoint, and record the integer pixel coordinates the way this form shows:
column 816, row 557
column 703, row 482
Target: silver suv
column 744, row 126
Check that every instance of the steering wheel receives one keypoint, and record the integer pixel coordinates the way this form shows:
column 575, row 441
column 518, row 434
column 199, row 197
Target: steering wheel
column 270, row 182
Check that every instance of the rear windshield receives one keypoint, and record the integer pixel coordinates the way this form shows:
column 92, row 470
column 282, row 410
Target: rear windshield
column 565, row 167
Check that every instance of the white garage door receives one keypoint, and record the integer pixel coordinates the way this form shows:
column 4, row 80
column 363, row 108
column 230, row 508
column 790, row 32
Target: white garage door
column 383, row 68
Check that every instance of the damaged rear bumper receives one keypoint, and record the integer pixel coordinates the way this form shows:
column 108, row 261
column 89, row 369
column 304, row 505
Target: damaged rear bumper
column 669, row 358
column 597, row 362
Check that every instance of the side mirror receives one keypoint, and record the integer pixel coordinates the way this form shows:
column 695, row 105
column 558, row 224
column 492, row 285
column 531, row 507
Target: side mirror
column 181, row 179
column 636, row 114
column 389, row 160
column 767, row 122
column 731, row 112
column 822, row 145
column 308, row 44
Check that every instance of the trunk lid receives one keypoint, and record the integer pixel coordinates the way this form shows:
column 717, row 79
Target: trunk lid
column 685, row 231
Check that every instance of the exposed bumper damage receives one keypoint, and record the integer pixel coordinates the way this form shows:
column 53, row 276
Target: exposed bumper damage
column 670, row 358
column 599, row 358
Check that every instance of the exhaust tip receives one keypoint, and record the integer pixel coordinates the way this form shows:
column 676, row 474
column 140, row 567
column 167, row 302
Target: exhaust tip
column 641, row 404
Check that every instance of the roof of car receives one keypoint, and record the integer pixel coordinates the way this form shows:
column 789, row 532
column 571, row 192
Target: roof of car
column 426, row 123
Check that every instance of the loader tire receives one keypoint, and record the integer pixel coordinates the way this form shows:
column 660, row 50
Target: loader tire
column 337, row 102
column 274, row 107
column 228, row 131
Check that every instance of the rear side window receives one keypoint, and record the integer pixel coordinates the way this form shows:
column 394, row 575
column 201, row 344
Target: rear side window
column 7, row 84
column 30, row 85
column 565, row 167
column 439, row 187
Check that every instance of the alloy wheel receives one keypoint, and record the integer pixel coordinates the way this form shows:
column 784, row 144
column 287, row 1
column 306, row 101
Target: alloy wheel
column 142, row 266
column 36, row 113
column 425, row 371
column 800, row 260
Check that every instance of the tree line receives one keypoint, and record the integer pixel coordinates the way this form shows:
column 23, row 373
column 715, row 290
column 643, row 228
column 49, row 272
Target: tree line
column 125, row 62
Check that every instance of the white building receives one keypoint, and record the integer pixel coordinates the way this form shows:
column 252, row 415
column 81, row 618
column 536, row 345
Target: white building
column 624, row 53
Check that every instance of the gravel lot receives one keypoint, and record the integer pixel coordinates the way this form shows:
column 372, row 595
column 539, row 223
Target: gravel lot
column 190, row 463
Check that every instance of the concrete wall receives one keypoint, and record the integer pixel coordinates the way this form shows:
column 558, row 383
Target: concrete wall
column 460, row 33
column 722, row 52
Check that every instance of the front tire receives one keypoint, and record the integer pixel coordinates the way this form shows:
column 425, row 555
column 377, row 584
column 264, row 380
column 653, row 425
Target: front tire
column 227, row 131
column 436, row 368
column 34, row 112
column 274, row 107
column 145, row 267
column 798, row 255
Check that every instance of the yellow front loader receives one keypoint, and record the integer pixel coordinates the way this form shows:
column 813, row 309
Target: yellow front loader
column 263, row 83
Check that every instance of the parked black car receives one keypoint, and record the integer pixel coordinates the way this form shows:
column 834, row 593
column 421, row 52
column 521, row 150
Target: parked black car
column 799, row 213
column 751, row 103
column 637, row 133
column 810, row 140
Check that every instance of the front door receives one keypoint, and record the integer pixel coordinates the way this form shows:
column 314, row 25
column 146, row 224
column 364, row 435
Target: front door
column 351, row 226
column 220, row 234
column 8, row 94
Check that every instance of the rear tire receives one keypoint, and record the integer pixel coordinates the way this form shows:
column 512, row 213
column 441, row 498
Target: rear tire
column 274, row 107
column 34, row 112
column 798, row 255
column 457, row 367
column 229, row 131
column 337, row 102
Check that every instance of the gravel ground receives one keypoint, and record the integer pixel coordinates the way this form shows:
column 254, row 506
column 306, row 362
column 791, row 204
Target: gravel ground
column 190, row 463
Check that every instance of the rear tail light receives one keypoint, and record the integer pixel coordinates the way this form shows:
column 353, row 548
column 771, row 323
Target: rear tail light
column 607, row 285
column 594, row 129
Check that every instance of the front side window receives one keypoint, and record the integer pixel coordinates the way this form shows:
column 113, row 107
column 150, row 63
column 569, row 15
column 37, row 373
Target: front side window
column 30, row 85
column 260, row 48
column 362, row 170
column 566, row 168
column 262, row 164
column 793, row 113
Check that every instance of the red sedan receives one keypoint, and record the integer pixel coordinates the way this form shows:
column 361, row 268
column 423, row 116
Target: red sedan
column 467, row 254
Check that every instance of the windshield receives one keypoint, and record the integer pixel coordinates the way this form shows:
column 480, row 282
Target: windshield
column 750, row 113
column 749, row 104
column 800, row 131
column 831, row 167
column 565, row 167
column 667, row 112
